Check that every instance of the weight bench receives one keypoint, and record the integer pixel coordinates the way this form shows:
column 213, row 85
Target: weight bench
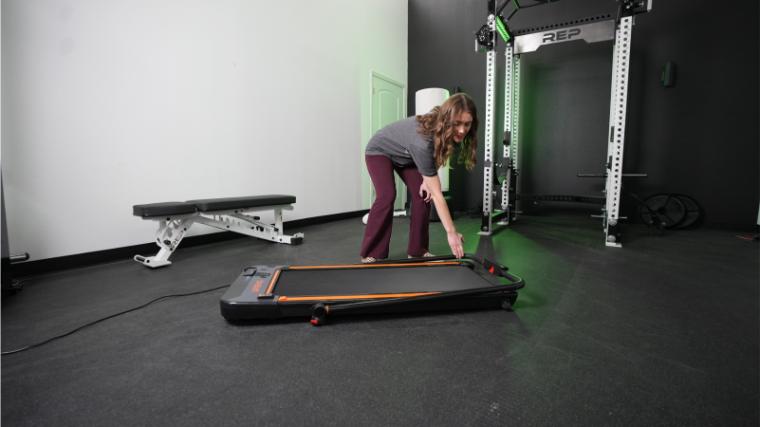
column 229, row 214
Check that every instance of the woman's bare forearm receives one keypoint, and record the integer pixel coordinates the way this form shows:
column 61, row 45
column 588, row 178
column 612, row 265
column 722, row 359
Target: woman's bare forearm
column 442, row 208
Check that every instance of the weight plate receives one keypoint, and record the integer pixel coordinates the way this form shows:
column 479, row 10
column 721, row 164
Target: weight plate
column 662, row 211
column 694, row 211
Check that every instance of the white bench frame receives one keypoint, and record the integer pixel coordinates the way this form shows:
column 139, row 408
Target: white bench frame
column 172, row 229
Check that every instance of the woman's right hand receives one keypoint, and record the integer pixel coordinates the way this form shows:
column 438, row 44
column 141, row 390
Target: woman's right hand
column 455, row 243
column 425, row 193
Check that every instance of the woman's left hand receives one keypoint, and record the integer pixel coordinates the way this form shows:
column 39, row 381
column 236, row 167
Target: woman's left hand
column 425, row 193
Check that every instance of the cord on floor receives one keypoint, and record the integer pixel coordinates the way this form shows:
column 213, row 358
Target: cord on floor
column 41, row 343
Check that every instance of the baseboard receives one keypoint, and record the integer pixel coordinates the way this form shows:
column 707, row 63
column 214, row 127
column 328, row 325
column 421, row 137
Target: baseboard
column 48, row 265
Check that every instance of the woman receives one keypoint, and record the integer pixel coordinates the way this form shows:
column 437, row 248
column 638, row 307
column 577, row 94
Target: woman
column 415, row 148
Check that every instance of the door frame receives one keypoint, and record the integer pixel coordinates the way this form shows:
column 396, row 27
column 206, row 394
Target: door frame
column 375, row 74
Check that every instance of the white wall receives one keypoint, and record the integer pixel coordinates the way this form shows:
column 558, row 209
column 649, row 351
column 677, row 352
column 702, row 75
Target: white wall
column 109, row 103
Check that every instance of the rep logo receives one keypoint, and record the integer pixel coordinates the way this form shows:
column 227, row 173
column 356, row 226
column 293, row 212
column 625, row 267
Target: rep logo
column 561, row 35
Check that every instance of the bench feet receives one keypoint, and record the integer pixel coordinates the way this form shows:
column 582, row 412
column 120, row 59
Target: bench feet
column 295, row 239
column 151, row 261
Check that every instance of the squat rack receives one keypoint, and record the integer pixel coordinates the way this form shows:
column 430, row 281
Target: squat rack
column 591, row 30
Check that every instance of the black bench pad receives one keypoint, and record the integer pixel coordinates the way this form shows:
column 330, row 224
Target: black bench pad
column 210, row 205
column 163, row 209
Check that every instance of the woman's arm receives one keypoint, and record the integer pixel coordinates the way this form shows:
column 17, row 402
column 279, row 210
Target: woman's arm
column 433, row 186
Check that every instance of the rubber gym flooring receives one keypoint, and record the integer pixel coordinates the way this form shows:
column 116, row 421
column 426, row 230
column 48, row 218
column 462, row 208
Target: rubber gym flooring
column 661, row 332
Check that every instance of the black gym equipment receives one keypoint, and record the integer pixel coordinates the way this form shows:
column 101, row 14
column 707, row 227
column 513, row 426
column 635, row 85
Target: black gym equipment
column 662, row 211
column 4, row 252
column 392, row 286
column 9, row 285
column 694, row 212
column 670, row 211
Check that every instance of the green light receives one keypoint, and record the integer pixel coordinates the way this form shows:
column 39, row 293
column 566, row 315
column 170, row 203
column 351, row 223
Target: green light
column 526, row 257
column 502, row 29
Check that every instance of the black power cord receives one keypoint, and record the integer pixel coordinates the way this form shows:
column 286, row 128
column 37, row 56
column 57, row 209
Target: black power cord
column 41, row 343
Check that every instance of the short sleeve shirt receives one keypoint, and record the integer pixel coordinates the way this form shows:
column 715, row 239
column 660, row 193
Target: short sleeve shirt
column 400, row 142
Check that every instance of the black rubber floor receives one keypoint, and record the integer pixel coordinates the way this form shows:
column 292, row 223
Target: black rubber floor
column 661, row 332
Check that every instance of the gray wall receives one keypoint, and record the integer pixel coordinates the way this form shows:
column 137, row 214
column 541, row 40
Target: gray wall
column 699, row 137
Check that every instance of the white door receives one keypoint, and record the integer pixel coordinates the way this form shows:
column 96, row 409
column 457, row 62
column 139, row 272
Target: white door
column 388, row 106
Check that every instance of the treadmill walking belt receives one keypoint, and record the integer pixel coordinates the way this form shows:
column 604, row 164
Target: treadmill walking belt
column 422, row 284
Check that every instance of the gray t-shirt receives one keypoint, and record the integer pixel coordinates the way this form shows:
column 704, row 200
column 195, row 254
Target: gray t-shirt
column 400, row 142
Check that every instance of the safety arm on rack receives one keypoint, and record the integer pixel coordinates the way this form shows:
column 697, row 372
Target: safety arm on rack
column 484, row 36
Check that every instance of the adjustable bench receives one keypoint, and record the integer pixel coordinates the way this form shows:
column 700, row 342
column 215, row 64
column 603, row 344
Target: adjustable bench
column 229, row 214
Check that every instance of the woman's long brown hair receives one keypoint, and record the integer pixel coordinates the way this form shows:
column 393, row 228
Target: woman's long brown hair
column 439, row 123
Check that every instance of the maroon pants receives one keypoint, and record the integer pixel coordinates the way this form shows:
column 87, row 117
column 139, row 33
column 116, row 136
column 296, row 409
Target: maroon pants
column 377, row 235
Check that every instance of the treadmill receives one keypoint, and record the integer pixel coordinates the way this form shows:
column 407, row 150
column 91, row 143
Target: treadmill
column 391, row 286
